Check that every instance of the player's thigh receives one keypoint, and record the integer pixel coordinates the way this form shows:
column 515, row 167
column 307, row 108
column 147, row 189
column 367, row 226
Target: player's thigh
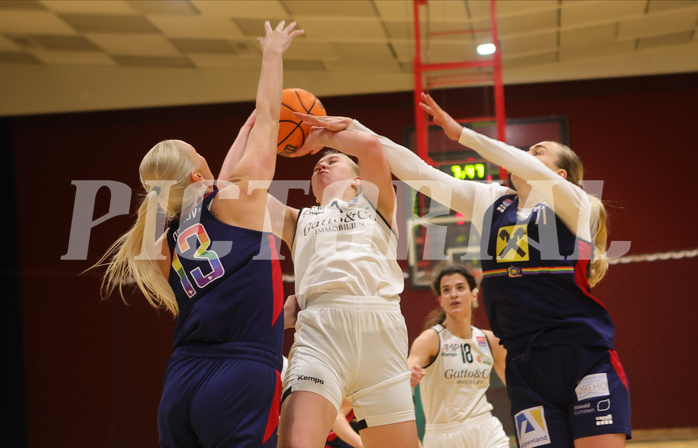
column 306, row 419
column 403, row 434
column 237, row 404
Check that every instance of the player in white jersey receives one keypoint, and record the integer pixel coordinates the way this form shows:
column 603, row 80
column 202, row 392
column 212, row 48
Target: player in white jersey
column 351, row 338
column 453, row 361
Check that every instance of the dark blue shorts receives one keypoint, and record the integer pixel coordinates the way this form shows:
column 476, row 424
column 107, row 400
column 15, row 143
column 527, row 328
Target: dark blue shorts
column 562, row 393
column 215, row 400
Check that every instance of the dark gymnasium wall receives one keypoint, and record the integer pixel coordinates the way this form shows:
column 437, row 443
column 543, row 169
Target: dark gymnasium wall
column 91, row 369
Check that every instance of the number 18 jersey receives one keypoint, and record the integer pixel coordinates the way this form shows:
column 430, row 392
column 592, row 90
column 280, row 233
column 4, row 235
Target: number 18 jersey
column 455, row 383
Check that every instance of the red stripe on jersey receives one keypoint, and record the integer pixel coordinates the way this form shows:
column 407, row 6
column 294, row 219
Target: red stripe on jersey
column 581, row 275
column 277, row 281
column 273, row 419
column 615, row 362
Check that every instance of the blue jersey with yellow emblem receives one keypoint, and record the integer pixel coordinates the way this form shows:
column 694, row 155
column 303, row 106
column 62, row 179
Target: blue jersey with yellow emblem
column 535, row 285
column 227, row 281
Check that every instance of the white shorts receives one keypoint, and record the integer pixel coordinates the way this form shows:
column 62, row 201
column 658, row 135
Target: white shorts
column 483, row 431
column 354, row 347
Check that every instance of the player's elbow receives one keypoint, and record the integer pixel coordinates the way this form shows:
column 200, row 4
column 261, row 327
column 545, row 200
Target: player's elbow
column 373, row 146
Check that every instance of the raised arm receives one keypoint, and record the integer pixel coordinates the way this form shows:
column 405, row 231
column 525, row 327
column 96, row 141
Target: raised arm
column 467, row 197
column 249, row 165
column 259, row 159
column 236, row 151
column 373, row 168
column 569, row 201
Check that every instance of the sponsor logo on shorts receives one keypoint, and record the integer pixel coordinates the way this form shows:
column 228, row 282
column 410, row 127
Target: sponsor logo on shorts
column 585, row 408
column 603, row 405
column 532, row 428
column 592, row 386
column 309, row 378
column 591, row 408
column 604, row 420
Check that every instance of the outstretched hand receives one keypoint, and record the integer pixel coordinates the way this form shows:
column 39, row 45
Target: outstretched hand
column 441, row 118
column 280, row 38
column 417, row 374
column 328, row 122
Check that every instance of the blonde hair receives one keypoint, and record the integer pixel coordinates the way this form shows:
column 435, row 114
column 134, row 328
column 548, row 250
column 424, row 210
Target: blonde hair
column 167, row 163
column 330, row 151
column 570, row 162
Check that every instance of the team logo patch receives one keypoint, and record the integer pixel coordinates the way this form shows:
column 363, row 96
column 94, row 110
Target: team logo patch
column 592, row 386
column 512, row 244
column 483, row 360
column 532, row 428
column 482, row 341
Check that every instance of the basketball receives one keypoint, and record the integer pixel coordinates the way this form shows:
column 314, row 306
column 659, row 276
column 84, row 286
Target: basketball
column 292, row 132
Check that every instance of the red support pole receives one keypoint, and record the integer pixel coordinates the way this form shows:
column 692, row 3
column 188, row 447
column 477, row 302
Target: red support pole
column 420, row 68
column 498, row 82
column 419, row 118
column 498, row 86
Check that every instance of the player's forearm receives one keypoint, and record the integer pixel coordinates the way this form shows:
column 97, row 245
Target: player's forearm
column 269, row 89
column 569, row 201
column 415, row 172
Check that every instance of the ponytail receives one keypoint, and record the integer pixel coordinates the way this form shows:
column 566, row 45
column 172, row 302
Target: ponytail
column 570, row 162
column 132, row 258
column 126, row 266
column 599, row 263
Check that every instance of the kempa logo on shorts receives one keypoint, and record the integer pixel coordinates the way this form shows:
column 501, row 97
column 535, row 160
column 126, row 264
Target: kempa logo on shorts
column 310, row 378
column 532, row 428
column 592, row 386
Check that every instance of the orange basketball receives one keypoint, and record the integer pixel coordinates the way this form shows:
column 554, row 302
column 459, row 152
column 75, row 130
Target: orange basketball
column 292, row 132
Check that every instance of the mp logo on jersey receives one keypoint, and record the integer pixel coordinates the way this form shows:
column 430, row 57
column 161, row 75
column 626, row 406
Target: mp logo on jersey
column 531, row 428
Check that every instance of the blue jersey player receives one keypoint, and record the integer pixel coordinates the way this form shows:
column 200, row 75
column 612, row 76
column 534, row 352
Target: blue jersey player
column 542, row 249
column 216, row 268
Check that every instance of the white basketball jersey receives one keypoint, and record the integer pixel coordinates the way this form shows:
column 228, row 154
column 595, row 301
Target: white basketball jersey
column 345, row 248
column 455, row 383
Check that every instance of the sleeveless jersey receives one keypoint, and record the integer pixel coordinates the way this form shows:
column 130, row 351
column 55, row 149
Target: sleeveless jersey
column 345, row 248
column 455, row 383
column 227, row 281
column 535, row 284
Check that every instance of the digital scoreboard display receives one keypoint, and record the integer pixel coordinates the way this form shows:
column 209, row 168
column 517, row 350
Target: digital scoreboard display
column 466, row 171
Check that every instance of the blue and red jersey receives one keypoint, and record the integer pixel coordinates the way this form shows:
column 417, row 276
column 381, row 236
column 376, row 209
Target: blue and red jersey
column 535, row 280
column 227, row 281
